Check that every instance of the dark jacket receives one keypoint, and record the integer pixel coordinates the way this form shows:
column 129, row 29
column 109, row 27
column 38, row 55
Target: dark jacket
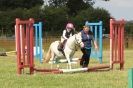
column 87, row 39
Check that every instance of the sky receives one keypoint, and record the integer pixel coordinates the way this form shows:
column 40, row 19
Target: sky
column 119, row 9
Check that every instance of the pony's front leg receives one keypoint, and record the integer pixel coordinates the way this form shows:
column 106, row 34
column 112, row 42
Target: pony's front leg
column 52, row 59
column 69, row 61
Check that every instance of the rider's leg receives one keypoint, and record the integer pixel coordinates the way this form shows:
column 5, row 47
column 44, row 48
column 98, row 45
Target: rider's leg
column 64, row 42
column 61, row 46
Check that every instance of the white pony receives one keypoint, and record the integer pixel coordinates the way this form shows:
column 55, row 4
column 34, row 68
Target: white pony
column 70, row 47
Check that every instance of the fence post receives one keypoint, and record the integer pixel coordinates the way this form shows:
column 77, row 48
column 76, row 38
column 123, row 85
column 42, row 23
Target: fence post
column 130, row 78
column 116, row 42
column 24, row 45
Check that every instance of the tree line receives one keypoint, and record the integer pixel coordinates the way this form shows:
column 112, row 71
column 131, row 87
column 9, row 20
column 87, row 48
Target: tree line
column 54, row 15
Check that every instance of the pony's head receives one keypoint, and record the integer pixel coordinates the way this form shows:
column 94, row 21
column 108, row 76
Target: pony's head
column 78, row 39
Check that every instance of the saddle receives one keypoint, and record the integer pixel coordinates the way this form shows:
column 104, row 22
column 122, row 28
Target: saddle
column 61, row 47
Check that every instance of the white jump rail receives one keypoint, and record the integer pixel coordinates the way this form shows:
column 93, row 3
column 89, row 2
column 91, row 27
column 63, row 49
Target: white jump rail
column 74, row 70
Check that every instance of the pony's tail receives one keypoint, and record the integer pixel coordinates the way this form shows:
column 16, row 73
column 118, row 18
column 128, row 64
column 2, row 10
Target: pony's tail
column 48, row 56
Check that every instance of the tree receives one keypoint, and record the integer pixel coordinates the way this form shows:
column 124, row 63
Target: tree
column 75, row 6
column 13, row 4
column 129, row 27
column 106, row 0
column 57, row 3
column 55, row 15
column 11, row 9
column 55, row 19
column 92, row 15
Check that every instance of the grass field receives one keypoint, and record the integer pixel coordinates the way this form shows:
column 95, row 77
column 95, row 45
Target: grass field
column 107, row 79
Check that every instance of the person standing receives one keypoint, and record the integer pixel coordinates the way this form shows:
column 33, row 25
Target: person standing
column 87, row 39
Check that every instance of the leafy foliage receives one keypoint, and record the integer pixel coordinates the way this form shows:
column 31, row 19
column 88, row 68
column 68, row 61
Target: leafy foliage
column 92, row 15
column 129, row 28
column 57, row 3
column 77, row 5
column 13, row 4
column 54, row 16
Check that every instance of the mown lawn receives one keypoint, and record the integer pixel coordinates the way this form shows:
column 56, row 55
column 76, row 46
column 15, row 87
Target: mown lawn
column 105, row 79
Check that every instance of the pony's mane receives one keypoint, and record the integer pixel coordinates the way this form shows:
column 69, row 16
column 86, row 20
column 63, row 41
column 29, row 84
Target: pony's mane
column 72, row 36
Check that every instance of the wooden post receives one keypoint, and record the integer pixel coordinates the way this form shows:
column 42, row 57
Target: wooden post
column 130, row 78
column 116, row 42
column 24, row 45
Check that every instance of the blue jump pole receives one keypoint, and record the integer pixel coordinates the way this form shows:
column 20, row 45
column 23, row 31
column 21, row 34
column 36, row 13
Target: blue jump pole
column 96, row 28
column 38, row 41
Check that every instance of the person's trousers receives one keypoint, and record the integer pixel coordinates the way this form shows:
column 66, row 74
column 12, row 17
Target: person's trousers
column 85, row 57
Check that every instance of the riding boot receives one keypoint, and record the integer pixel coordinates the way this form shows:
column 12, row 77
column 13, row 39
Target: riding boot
column 86, row 58
column 60, row 47
column 83, row 57
column 82, row 60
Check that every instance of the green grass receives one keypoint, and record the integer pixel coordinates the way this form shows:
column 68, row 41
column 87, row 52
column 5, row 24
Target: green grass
column 106, row 79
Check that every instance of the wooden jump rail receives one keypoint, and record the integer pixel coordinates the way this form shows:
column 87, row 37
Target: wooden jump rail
column 24, row 48
column 24, row 45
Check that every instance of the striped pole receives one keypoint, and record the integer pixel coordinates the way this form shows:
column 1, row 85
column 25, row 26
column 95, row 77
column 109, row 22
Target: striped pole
column 130, row 78
column 38, row 41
